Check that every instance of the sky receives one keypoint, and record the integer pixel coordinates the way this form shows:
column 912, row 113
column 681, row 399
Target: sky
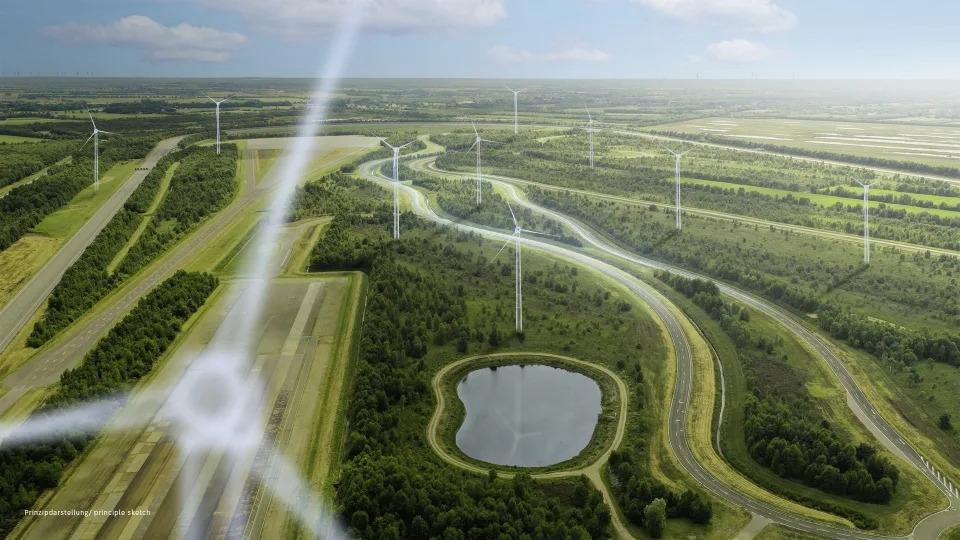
column 627, row 39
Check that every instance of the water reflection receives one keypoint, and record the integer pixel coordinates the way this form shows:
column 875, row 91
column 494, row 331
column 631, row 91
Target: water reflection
column 529, row 416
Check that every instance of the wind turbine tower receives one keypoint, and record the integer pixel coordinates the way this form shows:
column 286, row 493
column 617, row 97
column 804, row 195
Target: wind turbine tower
column 476, row 144
column 218, row 118
column 866, row 222
column 677, row 156
column 518, row 264
column 396, row 186
column 515, row 94
column 96, row 152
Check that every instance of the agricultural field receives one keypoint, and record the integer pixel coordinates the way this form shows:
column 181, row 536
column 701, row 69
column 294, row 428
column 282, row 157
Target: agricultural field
column 929, row 145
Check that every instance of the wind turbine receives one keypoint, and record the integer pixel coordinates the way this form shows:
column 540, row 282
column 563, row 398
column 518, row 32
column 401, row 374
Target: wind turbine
column 96, row 152
column 678, row 156
column 515, row 93
column 396, row 186
column 590, row 131
column 866, row 221
column 476, row 143
column 517, row 230
column 218, row 117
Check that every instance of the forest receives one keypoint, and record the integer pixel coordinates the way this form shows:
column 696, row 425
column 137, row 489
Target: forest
column 18, row 161
column 117, row 362
column 434, row 295
column 87, row 280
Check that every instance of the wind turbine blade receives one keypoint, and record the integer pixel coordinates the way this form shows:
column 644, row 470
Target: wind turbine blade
column 667, row 149
column 208, row 97
column 91, row 119
column 501, row 249
column 685, row 153
column 108, row 132
column 589, row 115
column 408, row 144
column 228, row 97
column 514, row 216
column 488, row 140
column 521, row 90
column 473, row 145
column 385, row 143
column 508, row 88
column 86, row 141
column 540, row 233
column 475, row 128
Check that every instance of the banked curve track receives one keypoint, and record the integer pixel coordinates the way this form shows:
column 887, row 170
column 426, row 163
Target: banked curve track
column 930, row 527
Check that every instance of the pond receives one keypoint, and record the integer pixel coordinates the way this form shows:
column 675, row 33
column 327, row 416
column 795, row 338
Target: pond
column 527, row 416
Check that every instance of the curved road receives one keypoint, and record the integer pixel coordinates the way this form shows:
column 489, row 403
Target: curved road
column 930, row 527
column 429, row 165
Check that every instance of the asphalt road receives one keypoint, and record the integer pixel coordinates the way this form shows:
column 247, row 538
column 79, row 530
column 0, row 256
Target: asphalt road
column 22, row 307
column 930, row 527
column 46, row 367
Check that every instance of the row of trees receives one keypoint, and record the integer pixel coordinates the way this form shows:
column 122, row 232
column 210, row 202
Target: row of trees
column 820, row 154
column 27, row 205
column 87, row 280
column 203, row 184
column 126, row 354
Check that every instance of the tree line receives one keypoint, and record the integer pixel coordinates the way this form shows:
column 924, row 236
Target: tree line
column 87, row 280
column 18, row 161
column 27, row 205
column 117, row 362
column 203, row 184
column 819, row 154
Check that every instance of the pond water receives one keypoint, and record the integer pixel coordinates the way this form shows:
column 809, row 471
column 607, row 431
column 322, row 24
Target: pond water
column 530, row 416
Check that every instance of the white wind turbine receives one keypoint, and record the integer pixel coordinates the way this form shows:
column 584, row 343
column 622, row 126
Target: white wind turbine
column 517, row 230
column 476, row 144
column 866, row 222
column 96, row 152
column 396, row 186
column 678, row 156
column 218, row 117
column 515, row 94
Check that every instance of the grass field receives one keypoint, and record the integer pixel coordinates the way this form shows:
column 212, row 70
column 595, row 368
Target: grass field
column 938, row 146
column 829, row 200
column 11, row 139
column 66, row 221
column 778, row 532
column 19, row 262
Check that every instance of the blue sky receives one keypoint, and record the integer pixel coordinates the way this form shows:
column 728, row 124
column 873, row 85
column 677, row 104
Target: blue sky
column 488, row 38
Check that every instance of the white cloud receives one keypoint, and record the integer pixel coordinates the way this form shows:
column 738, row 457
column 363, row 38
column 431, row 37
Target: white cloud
column 747, row 15
column 310, row 18
column 739, row 50
column 181, row 42
column 505, row 54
